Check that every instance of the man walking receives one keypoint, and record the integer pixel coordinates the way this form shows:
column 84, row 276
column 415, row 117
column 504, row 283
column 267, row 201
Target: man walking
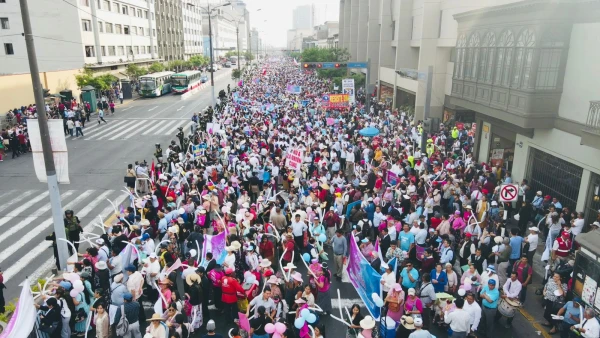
column 340, row 251
column 132, row 313
column 101, row 116
column 489, row 295
column 459, row 319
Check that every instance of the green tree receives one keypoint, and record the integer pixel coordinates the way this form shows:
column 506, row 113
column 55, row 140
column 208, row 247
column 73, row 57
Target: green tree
column 199, row 60
column 232, row 53
column 175, row 65
column 249, row 56
column 100, row 82
column 236, row 74
column 134, row 71
column 156, row 67
column 296, row 55
column 327, row 55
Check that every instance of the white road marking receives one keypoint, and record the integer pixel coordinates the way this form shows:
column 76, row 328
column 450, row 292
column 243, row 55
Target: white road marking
column 106, row 128
column 180, row 108
column 40, row 248
column 15, row 246
column 172, row 130
column 152, row 108
column 158, row 132
column 16, row 212
column 132, row 130
column 111, row 131
column 159, row 124
column 125, row 109
column 17, row 198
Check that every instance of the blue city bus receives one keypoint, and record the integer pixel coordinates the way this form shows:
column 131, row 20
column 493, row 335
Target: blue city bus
column 157, row 84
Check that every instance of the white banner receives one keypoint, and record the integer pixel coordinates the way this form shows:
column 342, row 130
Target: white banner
column 294, row 159
column 59, row 150
column 348, row 88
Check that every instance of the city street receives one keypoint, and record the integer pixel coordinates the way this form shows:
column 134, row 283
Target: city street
column 97, row 164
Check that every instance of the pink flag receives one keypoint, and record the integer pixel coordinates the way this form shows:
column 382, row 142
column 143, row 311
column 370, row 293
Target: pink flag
column 244, row 322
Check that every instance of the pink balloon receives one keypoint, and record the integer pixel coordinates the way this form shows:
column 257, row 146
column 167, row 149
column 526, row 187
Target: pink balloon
column 280, row 327
column 276, row 335
column 77, row 283
column 74, row 293
column 79, row 288
column 270, row 328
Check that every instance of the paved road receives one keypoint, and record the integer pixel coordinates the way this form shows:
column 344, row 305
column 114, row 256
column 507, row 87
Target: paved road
column 97, row 164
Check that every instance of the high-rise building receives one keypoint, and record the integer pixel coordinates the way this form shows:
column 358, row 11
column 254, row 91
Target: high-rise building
column 192, row 28
column 224, row 34
column 103, row 35
column 303, row 17
column 169, row 25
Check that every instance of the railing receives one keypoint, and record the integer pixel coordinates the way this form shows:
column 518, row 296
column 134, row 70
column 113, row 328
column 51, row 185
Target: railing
column 593, row 120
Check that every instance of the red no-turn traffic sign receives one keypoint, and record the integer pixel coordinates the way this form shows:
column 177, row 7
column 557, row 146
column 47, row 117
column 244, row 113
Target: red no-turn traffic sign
column 509, row 192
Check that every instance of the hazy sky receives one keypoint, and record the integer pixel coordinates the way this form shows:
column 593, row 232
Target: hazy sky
column 278, row 14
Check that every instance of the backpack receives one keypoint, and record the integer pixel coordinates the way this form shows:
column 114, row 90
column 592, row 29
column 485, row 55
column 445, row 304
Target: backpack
column 123, row 324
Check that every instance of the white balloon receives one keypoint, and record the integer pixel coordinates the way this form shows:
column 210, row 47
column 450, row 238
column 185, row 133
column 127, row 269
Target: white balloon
column 461, row 292
column 79, row 288
column 77, row 283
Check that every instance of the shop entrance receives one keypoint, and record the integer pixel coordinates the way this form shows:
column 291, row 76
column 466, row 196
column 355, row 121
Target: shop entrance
column 502, row 152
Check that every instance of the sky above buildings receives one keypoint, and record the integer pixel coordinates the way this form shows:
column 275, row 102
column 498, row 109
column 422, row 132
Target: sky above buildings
column 278, row 16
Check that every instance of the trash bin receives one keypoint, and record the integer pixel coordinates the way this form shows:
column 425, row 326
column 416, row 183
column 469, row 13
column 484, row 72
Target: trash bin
column 88, row 94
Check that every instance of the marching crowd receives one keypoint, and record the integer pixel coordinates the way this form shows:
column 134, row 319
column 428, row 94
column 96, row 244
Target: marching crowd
column 427, row 218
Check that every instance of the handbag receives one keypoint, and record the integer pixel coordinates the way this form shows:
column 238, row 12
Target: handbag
column 48, row 328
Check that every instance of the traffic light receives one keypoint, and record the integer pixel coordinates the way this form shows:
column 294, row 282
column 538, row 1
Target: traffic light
column 319, row 65
column 341, row 65
column 306, row 65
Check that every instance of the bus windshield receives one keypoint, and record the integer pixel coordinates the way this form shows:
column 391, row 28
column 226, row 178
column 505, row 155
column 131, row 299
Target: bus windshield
column 147, row 84
column 179, row 81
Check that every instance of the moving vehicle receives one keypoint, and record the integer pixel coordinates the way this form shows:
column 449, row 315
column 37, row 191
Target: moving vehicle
column 186, row 81
column 204, row 78
column 157, row 84
column 233, row 60
column 227, row 64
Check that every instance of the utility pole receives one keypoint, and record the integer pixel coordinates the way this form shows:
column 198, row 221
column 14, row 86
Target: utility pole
column 237, row 34
column 367, row 92
column 426, row 108
column 57, row 215
column 212, row 69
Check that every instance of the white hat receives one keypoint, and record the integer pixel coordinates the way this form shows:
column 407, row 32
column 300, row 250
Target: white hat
column 100, row 241
column 144, row 222
column 418, row 322
column 367, row 323
column 384, row 265
column 597, row 224
column 412, row 292
column 152, row 255
column 264, row 263
column 192, row 252
column 536, row 229
column 498, row 239
column 289, row 266
column 494, row 203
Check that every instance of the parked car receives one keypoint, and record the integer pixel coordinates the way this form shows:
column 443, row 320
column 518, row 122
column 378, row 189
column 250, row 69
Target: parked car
column 227, row 64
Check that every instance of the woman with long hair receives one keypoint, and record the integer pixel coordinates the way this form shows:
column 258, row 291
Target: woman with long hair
column 101, row 321
column 323, row 285
column 355, row 318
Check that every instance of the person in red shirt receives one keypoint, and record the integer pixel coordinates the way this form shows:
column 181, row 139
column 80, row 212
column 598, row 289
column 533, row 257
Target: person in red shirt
column 230, row 288
column 22, row 142
column 289, row 245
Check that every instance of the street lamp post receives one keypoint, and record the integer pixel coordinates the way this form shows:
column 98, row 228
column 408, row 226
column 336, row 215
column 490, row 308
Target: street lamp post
column 212, row 70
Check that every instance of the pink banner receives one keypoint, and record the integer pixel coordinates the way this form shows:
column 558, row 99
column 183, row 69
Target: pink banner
column 330, row 121
column 244, row 322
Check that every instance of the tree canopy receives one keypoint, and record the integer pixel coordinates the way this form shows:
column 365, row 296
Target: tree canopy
column 327, row 55
column 100, row 82
column 156, row 67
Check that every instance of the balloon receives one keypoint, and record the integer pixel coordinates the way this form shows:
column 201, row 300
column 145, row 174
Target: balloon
column 79, row 288
column 276, row 335
column 280, row 328
column 461, row 292
column 74, row 293
column 74, row 277
column 239, row 218
column 305, row 313
column 306, row 257
column 77, row 283
column 299, row 323
column 377, row 300
column 322, row 238
column 270, row 328
column 312, row 318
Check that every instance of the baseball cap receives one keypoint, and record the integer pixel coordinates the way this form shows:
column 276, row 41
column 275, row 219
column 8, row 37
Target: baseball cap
column 492, row 282
column 418, row 322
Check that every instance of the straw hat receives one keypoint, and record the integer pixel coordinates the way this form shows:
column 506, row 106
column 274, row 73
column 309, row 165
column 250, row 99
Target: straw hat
column 264, row 263
column 367, row 323
column 191, row 278
column 144, row 222
column 236, row 245
column 289, row 266
column 155, row 317
column 408, row 322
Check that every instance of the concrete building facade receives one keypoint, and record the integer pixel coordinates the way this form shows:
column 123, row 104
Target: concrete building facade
column 192, row 28
column 169, row 27
column 302, row 17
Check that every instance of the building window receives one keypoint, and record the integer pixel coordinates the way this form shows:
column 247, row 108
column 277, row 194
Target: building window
column 143, row 49
column 126, row 30
column 153, row 32
column 141, row 31
column 124, row 10
column 471, row 58
column 8, row 49
column 116, row 8
column 523, row 59
column 460, row 57
column 133, row 30
column 85, row 2
column 136, row 50
column 89, row 51
column 4, row 23
column 100, row 27
column 111, row 51
column 86, row 25
column 504, row 58
column 146, row 14
column 132, row 11
column 152, row 16
column 106, row 5
column 98, row 4
column 103, row 49
column 120, row 51
column 118, row 29
column 139, row 13
column 109, row 27
column 486, row 58
column 550, row 60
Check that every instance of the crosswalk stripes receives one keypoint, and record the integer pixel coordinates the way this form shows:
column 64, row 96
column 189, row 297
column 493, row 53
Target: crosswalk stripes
column 157, row 125
column 23, row 246
column 172, row 130
column 108, row 129
column 21, row 196
column 131, row 130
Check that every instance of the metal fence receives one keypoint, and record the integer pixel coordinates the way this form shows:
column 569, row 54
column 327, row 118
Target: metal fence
column 554, row 176
column 592, row 205
column 593, row 120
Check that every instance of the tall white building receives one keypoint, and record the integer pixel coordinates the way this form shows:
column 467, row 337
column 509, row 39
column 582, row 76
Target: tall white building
column 224, row 36
column 69, row 35
column 522, row 72
column 302, row 17
column 192, row 28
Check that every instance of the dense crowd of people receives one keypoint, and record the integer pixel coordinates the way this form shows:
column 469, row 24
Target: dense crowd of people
column 426, row 217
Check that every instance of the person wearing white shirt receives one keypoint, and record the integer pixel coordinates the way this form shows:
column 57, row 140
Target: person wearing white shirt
column 490, row 274
column 512, row 290
column 589, row 328
column 533, row 240
column 459, row 320
column 388, row 279
column 474, row 311
column 578, row 224
column 378, row 217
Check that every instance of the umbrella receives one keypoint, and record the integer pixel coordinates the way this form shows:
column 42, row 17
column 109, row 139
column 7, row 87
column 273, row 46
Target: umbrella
column 369, row 132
